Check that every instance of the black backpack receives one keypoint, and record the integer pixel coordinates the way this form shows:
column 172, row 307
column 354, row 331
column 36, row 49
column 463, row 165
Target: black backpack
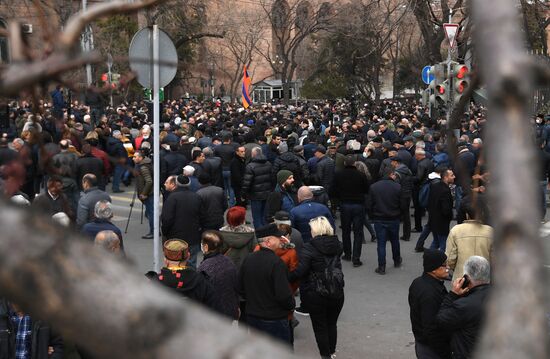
column 330, row 282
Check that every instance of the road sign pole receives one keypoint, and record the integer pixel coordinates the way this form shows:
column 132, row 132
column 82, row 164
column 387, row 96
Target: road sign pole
column 156, row 148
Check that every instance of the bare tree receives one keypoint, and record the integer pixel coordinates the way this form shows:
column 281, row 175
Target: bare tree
column 431, row 15
column 242, row 28
column 291, row 24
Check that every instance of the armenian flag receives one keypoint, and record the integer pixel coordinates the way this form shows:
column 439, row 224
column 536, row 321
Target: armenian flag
column 246, row 89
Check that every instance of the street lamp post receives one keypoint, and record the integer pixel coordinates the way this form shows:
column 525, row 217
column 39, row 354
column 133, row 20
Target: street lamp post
column 212, row 79
column 110, row 77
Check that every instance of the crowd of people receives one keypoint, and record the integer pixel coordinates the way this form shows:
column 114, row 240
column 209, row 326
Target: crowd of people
column 302, row 171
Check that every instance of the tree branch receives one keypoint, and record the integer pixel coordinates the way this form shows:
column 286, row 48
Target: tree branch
column 77, row 23
column 193, row 37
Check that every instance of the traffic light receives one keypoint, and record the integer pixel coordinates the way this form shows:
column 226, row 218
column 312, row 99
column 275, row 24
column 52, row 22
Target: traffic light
column 104, row 77
column 442, row 94
column 437, row 86
column 461, row 80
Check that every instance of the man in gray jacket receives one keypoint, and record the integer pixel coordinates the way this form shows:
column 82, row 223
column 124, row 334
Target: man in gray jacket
column 91, row 195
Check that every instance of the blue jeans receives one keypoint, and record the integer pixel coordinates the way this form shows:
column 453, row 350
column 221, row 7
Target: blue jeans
column 459, row 193
column 352, row 216
column 258, row 209
column 117, row 176
column 387, row 231
column 276, row 328
column 228, row 190
column 423, row 236
column 439, row 242
column 148, row 203
column 193, row 253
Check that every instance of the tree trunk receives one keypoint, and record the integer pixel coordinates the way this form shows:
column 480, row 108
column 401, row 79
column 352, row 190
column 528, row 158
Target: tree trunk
column 516, row 322
column 97, row 301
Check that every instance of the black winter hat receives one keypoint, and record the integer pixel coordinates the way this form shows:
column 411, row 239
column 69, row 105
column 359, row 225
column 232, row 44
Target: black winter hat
column 433, row 259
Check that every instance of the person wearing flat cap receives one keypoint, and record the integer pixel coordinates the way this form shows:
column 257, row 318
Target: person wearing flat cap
column 183, row 279
column 264, row 285
column 426, row 294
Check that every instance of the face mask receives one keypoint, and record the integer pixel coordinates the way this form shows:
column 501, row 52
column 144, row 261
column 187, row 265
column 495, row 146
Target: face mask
column 539, row 121
column 365, row 155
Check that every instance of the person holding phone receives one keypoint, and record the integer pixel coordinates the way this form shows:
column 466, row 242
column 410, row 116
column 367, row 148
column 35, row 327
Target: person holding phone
column 463, row 309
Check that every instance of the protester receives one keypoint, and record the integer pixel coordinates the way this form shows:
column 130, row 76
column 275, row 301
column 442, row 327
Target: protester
column 221, row 273
column 463, row 309
column 265, row 287
column 320, row 269
column 426, row 294
column 183, row 279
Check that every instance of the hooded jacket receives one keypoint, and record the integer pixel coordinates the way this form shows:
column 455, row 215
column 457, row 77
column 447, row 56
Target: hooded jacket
column 312, row 259
column 237, row 243
column 288, row 161
column 406, row 180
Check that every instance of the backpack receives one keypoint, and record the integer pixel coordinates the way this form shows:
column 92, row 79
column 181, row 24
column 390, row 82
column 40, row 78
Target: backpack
column 330, row 282
column 424, row 193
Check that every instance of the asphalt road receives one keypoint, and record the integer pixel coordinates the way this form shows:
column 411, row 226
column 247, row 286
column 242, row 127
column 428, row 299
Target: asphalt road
column 374, row 322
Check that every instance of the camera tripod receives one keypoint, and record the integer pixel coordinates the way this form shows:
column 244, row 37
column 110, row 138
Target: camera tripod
column 130, row 214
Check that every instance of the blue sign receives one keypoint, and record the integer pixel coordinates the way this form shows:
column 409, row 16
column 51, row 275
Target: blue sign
column 427, row 77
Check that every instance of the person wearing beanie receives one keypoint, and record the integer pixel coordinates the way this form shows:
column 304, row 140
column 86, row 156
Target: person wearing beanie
column 426, row 294
column 283, row 198
column 184, row 279
column 184, row 203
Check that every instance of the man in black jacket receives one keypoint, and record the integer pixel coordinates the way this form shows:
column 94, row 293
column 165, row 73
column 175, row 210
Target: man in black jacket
column 463, row 309
column 425, row 296
column 406, row 180
column 350, row 188
column 257, row 185
column 325, row 168
column 226, row 151
column 186, row 204
column 424, row 166
column 440, row 209
column 89, row 164
column 213, row 166
column 237, row 168
column 23, row 337
column 119, row 157
column 264, row 284
column 384, row 209
column 175, row 161
column 213, row 201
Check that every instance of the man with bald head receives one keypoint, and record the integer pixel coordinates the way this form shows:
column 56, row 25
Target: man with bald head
column 109, row 241
column 306, row 211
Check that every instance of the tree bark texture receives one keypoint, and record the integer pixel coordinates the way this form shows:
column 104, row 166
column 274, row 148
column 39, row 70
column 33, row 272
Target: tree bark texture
column 516, row 320
column 99, row 302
